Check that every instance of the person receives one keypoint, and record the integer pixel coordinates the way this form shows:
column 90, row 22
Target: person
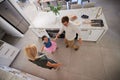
column 38, row 1
column 70, row 29
column 49, row 45
column 40, row 59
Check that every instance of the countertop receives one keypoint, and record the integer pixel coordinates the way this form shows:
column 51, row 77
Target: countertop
column 50, row 20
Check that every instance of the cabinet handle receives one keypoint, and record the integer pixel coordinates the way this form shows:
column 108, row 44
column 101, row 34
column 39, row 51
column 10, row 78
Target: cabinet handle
column 84, row 30
column 6, row 52
column 1, row 47
column 90, row 32
column 12, row 53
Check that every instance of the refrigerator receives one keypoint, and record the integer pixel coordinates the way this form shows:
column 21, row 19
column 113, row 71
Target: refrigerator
column 11, row 15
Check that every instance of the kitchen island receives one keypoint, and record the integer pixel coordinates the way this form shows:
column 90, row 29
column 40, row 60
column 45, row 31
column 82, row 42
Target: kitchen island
column 49, row 21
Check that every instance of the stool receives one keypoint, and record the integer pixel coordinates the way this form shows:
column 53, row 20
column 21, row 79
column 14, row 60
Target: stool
column 84, row 1
column 81, row 1
column 68, row 3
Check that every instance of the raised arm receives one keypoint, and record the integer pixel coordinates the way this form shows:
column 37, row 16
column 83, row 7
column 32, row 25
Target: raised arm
column 42, row 48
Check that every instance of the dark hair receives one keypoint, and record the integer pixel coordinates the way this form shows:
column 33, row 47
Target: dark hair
column 65, row 19
column 43, row 37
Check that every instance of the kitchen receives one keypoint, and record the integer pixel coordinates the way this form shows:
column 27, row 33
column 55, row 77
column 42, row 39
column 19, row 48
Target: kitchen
column 87, row 48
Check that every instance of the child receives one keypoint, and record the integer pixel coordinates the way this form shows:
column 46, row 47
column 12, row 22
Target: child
column 49, row 46
column 41, row 60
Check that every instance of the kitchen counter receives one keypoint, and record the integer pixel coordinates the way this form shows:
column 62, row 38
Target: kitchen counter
column 48, row 20
column 7, row 53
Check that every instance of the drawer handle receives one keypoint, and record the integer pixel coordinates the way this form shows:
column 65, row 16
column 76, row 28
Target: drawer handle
column 84, row 30
column 90, row 32
column 12, row 53
column 1, row 47
column 7, row 51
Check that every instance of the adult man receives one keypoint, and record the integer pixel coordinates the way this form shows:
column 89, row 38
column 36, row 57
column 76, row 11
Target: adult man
column 70, row 29
column 40, row 59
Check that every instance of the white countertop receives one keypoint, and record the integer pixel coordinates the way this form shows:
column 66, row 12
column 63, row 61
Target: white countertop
column 49, row 20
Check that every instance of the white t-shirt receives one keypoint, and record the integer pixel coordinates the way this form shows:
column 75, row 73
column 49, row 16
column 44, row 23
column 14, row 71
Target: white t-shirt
column 70, row 30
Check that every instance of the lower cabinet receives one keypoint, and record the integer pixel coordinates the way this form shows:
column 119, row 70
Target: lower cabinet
column 7, row 53
column 91, row 35
column 84, row 34
column 94, row 35
column 2, row 33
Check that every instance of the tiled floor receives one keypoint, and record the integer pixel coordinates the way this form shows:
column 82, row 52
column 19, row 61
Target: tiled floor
column 93, row 61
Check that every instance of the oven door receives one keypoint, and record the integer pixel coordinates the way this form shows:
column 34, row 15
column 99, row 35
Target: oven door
column 52, row 33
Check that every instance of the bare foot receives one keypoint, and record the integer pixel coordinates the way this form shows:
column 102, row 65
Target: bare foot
column 53, row 52
column 57, row 47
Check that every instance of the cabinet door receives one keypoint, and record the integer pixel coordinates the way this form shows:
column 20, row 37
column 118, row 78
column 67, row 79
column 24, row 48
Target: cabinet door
column 8, row 12
column 7, row 53
column 84, row 34
column 23, row 26
column 94, row 35
column 2, row 32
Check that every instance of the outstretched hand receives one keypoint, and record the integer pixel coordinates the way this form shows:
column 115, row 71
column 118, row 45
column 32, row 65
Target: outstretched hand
column 80, row 41
column 54, row 39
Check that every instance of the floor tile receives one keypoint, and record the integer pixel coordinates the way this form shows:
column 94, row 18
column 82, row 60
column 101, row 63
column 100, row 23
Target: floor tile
column 111, row 60
column 93, row 61
column 88, row 61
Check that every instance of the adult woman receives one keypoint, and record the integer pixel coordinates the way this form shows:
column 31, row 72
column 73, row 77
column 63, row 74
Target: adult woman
column 42, row 60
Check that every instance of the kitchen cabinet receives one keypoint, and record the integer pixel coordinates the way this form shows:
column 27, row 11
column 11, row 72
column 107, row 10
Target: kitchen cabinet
column 91, row 35
column 2, row 33
column 7, row 53
column 84, row 34
column 88, row 31
column 7, row 11
column 9, row 29
column 94, row 35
